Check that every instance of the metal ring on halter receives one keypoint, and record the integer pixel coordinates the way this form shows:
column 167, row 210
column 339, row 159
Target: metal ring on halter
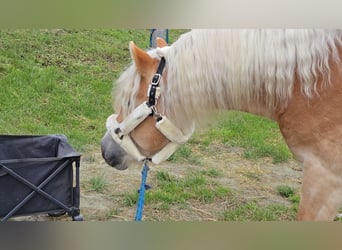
column 155, row 112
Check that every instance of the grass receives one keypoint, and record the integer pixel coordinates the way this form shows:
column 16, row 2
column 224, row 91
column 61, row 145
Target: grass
column 169, row 191
column 97, row 183
column 61, row 82
column 185, row 154
column 289, row 193
column 258, row 136
column 253, row 212
column 202, row 187
column 286, row 191
column 55, row 84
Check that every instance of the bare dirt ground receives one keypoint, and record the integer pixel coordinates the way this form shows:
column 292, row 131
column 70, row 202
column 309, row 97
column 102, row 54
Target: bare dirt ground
column 252, row 180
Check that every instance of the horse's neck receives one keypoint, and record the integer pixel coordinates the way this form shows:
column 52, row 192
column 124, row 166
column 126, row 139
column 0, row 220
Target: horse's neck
column 213, row 90
column 248, row 71
column 198, row 97
column 203, row 82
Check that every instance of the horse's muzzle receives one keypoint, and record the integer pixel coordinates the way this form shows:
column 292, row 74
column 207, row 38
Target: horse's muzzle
column 112, row 153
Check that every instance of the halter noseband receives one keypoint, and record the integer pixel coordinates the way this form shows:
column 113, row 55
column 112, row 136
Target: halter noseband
column 120, row 131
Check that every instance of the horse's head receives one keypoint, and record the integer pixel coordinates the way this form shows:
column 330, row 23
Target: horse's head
column 138, row 129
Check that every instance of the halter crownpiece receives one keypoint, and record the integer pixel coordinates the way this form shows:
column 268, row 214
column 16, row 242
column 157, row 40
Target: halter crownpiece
column 120, row 131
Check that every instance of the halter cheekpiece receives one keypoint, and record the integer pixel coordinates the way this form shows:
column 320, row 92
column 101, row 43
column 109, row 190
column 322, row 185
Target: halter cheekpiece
column 120, row 132
column 153, row 91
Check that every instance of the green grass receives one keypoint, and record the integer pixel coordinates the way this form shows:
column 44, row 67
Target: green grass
column 258, row 136
column 201, row 187
column 55, row 82
column 289, row 193
column 253, row 212
column 286, row 191
column 185, row 154
column 168, row 190
column 97, row 183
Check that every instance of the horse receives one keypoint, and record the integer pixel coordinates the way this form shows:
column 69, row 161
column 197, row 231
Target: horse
column 292, row 76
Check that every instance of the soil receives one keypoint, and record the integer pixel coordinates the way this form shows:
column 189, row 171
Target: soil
column 251, row 179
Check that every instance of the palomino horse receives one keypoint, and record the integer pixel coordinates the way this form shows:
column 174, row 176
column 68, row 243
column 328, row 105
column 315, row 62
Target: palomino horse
column 290, row 76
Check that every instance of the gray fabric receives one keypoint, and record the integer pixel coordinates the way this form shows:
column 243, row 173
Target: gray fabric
column 40, row 146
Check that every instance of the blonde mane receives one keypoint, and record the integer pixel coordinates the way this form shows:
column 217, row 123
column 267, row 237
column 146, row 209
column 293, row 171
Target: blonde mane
column 236, row 69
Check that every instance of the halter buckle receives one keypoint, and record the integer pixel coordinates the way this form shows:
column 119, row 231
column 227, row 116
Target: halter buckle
column 156, row 79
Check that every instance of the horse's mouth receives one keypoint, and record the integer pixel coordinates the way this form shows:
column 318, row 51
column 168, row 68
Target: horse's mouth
column 115, row 164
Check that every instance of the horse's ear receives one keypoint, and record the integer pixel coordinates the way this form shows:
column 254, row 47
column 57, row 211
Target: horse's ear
column 161, row 42
column 142, row 60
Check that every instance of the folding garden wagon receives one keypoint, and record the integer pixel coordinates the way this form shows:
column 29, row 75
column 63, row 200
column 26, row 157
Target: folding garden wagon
column 38, row 174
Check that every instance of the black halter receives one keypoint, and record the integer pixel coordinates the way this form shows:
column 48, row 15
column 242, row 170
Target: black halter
column 152, row 92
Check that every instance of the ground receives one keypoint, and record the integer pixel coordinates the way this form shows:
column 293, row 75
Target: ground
column 252, row 180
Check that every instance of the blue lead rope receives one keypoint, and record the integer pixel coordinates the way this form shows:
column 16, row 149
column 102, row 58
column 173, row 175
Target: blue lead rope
column 143, row 187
